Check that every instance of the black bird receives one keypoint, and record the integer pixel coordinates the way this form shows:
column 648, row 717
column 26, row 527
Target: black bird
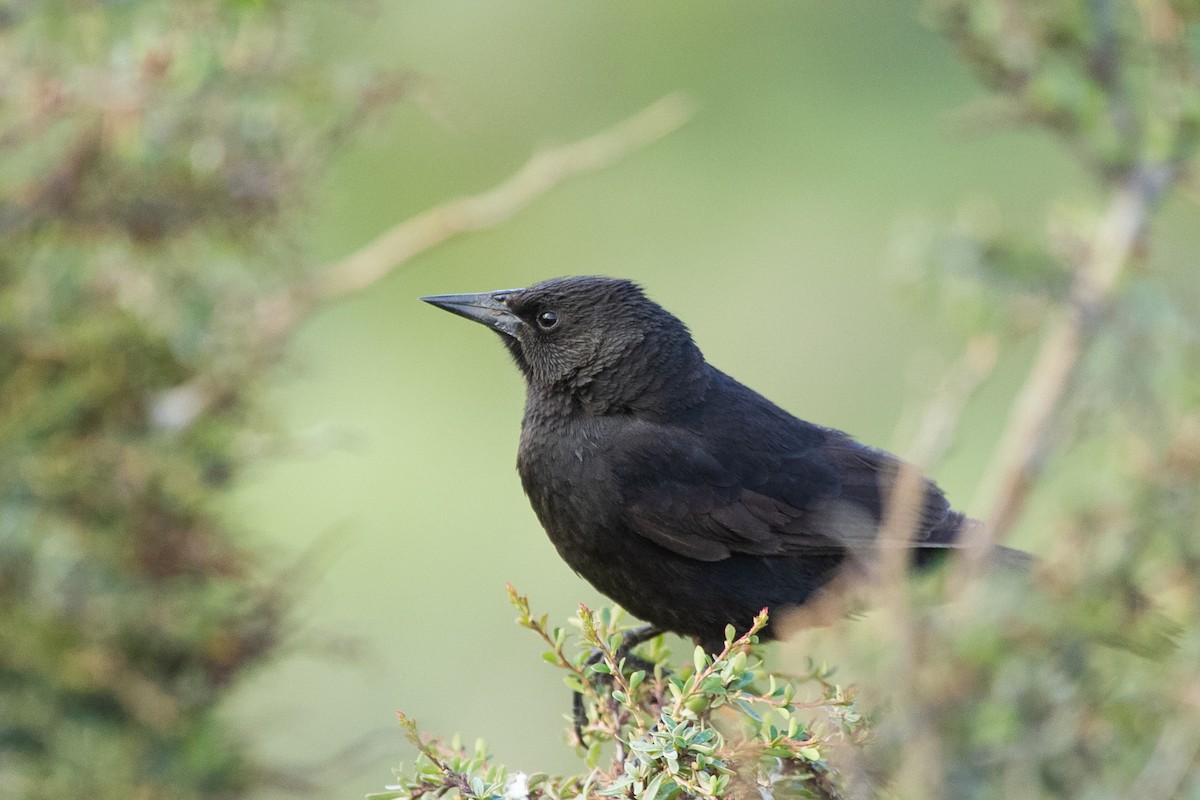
column 688, row 498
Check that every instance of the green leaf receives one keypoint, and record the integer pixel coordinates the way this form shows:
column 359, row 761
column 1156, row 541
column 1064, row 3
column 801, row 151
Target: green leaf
column 592, row 759
column 748, row 710
column 652, row 789
column 617, row 787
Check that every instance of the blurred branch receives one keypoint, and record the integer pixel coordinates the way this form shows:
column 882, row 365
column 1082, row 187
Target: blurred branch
column 1023, row 445
column 933, row 437
column 413, row 236
column 921, row 776
column 1177, row 749
column 281, row 313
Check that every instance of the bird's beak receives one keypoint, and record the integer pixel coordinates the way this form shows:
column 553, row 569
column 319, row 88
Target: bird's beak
column 487, row 308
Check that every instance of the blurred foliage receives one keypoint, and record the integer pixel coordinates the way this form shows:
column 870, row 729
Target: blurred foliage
column 151, row 152
column 1086, row 683
column 1117, row 80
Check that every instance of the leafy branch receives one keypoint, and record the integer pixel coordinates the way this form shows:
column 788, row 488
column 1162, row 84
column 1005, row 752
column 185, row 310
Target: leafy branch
column 720, row 726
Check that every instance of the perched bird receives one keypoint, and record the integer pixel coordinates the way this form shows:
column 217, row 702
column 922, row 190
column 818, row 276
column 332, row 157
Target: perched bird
column 688, row 498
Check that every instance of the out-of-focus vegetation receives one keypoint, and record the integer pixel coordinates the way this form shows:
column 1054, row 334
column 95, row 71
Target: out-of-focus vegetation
column 151, row 154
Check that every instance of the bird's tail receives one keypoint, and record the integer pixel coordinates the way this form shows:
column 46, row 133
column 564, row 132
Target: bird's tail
column 1011, row 558
column 955, row 534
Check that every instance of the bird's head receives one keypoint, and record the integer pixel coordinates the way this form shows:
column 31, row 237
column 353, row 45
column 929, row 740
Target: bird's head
column 599, row 340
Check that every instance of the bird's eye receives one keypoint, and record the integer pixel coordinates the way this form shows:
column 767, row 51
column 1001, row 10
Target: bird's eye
column 547, row 320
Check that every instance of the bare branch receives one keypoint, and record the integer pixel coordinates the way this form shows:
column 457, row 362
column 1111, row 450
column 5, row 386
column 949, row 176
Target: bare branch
column 1018, row 457
column 277, row 315
column 413, row 236
column 1167, row 767
column 921, row 775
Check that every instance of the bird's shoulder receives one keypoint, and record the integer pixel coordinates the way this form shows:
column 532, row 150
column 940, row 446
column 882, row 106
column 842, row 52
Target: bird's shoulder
column 735, row 437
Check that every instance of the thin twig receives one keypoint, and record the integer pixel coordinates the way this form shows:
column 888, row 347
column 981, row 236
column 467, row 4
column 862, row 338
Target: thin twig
column 1169, row 763
column 907, row 496
column 277, row 315
column 1018, row 457
column 545, row 170
column 922, row 773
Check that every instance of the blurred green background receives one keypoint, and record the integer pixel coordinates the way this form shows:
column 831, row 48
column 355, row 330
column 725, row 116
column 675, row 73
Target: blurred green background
column 823, row 130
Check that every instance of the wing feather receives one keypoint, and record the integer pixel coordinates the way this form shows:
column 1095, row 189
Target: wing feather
column 691, row 495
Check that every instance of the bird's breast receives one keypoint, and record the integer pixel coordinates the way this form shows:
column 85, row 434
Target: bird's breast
column 570, row 484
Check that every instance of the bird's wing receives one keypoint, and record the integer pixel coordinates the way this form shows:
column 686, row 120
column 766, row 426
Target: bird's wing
column 707, row 499
column 867, row 478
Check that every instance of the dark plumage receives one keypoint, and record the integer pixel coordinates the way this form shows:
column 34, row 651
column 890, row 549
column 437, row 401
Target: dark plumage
column 688, row 498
